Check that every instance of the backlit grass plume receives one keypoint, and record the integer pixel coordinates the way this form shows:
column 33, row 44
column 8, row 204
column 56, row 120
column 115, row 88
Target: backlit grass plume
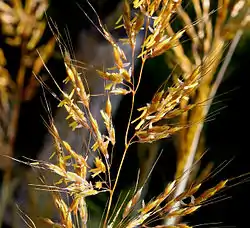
column 179, row 108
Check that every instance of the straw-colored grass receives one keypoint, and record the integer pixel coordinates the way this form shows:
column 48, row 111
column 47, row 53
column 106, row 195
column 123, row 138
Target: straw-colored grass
column 178, row 110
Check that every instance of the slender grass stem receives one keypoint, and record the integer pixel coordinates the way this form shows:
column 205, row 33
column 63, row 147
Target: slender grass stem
column 127, row 142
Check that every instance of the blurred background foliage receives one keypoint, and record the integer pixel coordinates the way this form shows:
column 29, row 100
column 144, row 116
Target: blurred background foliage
column 227, row 136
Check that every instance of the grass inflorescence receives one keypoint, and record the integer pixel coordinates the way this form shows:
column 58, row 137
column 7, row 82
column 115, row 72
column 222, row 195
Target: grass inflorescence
column 178, row 109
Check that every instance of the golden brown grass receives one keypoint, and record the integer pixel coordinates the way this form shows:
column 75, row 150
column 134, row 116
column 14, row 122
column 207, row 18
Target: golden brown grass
column 179, row 110
column 22, row 27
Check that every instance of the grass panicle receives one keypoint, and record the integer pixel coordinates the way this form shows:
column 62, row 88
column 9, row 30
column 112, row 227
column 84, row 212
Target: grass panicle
column 179, row 108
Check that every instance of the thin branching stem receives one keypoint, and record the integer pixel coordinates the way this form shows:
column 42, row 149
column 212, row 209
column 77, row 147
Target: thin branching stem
column 143, row 58
column 127, row 142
